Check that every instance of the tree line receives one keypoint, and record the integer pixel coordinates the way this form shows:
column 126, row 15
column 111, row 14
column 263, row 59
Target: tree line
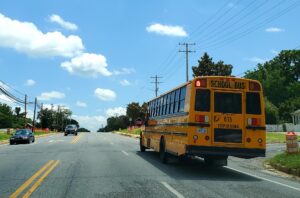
column 133, row 111
column 48, row 118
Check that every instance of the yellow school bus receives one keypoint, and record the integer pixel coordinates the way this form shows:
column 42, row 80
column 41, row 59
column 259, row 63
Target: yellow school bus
column 212, row 117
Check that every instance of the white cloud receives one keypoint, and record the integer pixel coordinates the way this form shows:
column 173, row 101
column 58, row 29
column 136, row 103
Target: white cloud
column 117, row 111
column 87, row 64
column 51, row 95
column 81, row 104
column 30, row 82
column 25, row 37
column 168, row 30
column 125, row 82
column 92, row 123
column 105, row 94
column 258, row 60
column 274, row 29
column 124, row 71
column 65, row 24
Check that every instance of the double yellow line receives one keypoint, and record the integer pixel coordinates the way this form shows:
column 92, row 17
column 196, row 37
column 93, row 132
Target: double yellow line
column 76, row 139
column 46, row 169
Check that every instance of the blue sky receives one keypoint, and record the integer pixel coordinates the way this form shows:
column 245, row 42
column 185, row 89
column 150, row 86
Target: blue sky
column 95, row 57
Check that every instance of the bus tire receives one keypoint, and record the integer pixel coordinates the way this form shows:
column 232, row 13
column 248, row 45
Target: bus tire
column 163, row 155
column 142, row 147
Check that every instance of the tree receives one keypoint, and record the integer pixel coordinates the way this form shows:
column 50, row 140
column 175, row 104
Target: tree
column 6, row 116
column 206, row 67
column 82, row 130
column 271, row 112
column 17, row 111
column 133, row 110
column 280, row 78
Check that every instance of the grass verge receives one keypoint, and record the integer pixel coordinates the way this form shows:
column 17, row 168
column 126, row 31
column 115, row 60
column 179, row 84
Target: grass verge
column 133, row 131
column 289, row 163
column 277, row 137
column 4, row 136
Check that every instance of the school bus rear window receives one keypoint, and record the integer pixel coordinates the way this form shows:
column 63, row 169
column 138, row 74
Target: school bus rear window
column 253, row 103
column 202, row 102
column 228, row 102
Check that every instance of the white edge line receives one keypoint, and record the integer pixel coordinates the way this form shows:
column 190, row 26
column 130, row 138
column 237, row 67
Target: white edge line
column 275, row 182
column 170, row 188
column 125, row 153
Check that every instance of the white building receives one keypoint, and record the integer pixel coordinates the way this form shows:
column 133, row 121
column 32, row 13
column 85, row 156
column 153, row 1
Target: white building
column 296, row 117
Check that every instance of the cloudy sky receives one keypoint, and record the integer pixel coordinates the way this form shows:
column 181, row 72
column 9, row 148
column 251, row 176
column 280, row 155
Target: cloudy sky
column 95, row 57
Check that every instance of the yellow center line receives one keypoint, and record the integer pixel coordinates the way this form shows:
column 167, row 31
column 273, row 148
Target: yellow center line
column 40, row 180
column 30, row 180
column 76, row 139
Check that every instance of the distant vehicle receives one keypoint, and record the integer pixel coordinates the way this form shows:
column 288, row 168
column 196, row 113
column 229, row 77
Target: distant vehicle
column 210, row 117
column 22, row 136
column 71, row 129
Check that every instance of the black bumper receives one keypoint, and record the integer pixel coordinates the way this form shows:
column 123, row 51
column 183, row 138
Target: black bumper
column 225, row 151
column 70, row 132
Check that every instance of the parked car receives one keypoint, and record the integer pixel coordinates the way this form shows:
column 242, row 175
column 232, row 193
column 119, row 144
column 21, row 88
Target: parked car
column 71, row 129
column 22, row 136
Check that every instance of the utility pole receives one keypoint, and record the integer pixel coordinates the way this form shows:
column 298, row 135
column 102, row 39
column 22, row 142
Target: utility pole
column 25, row 103
column 156, row 83
column 33, row 120
column 187, row 51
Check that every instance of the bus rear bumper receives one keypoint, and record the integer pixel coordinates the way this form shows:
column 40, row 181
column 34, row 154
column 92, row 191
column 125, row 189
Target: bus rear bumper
column 224, row 151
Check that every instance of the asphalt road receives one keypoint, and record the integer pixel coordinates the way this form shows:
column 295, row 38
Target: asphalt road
column 110, row 165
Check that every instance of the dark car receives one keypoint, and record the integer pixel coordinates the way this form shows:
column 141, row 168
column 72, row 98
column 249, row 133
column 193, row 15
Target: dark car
column 22, row 136
column 71, row 129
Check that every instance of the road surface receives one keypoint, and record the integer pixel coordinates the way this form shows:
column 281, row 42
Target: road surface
column 110, row 165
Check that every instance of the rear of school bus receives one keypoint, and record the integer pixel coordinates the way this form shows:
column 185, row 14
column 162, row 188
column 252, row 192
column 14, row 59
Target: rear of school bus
column 229, row 119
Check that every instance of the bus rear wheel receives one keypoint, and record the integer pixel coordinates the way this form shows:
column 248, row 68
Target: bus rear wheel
column 142, row 147
column 162, row 151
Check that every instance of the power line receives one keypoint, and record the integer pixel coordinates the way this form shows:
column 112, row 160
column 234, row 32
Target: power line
column 233, row 37
column 19, row 92
column 219, row 30
column 156, row 82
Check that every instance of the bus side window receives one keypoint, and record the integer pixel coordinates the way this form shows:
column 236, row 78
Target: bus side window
column 168, row 104
column 154, row 108
column 182, row 99
column 253, row 103
column 161, row 106
column 202, row 100
column 176, row 103
column 157, row 106
column 172, row 103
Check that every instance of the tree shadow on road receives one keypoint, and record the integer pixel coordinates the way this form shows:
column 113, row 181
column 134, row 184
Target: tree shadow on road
column 193, row 169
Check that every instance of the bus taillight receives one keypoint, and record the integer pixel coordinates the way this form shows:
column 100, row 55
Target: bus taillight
column 254, row 86
column 201, row 118
column 254, row 121
column 200, row 83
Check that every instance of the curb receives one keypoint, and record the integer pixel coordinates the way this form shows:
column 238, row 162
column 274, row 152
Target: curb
column 291, row 171
column 4, row 142
column 127, row 134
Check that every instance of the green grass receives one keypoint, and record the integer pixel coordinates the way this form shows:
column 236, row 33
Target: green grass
column 4, row 136
column 277, row 137
column 134, row 131
column 291, row 161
